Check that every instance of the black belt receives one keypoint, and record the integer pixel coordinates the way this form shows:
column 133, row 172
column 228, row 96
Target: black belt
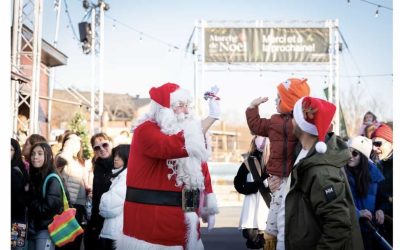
column 165, row 198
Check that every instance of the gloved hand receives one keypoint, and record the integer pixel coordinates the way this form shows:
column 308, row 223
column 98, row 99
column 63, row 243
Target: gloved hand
column 214, row 108
column 213, row 103
column 265, row 182
column 211, row 221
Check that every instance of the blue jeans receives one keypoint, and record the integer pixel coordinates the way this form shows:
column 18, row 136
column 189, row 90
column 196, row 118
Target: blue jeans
column 41, row 241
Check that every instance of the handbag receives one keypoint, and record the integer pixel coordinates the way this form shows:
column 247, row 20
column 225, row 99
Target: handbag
column 64, row 228
column 254, row 168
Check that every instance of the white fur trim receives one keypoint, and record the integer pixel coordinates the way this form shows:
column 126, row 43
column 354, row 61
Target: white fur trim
column 301, row 122
column 211, row 206
column 320, row 147
column 192, row 221
column 129, row 243
column 180, row 95
column 194, row 140
column 125, row 242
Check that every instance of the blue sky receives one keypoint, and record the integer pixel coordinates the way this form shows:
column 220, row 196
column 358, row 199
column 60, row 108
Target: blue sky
column 133, row 65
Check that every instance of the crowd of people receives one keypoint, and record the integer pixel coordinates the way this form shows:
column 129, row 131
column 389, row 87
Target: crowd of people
column 326, row 192
column 153, row 192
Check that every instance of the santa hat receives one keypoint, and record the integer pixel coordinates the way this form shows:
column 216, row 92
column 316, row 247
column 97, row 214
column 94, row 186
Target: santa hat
column 383, row 131
column 314, row 116
column 168, row 94
column 290, row 91
column 361, row 144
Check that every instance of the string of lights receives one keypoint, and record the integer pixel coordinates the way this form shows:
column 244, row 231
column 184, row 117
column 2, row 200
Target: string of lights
column 310, row 72
column 378, row 6
column 141, row 33
column 71, row 24
column 172, row 46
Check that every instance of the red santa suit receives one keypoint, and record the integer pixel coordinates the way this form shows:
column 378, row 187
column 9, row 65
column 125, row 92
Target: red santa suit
column 162, row 163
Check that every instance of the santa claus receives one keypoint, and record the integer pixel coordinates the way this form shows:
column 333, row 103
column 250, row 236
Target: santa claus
column 168, row 183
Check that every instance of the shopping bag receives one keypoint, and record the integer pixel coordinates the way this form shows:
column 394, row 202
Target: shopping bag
column 64, row 228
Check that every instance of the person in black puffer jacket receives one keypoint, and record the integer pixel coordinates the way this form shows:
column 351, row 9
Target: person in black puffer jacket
column 255, row 210
column 41, row 210
column 19, row 180
column 19, row 187
column 102, row 166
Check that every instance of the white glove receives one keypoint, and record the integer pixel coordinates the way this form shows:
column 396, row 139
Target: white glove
column 214, row 108
column 215, row 89
column 211, row 221
column 265, row 182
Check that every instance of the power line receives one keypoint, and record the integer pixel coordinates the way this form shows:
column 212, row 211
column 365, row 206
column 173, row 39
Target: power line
column 369, row 75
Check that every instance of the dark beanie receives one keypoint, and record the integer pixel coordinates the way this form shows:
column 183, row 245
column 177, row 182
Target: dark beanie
column 383, row 131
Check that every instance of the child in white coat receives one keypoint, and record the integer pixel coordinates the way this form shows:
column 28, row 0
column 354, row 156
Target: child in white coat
column 112, row 202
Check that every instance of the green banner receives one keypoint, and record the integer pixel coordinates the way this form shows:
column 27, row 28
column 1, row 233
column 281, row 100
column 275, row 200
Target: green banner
column 262, row 45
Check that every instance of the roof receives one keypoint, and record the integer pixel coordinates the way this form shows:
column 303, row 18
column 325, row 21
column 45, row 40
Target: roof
column 50, row 56
column 119, row 106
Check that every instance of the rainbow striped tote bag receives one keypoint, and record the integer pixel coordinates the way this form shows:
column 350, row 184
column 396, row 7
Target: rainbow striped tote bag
column 64, row 228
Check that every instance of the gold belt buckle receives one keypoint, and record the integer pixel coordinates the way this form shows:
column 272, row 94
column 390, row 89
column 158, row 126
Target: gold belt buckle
column 190, row 200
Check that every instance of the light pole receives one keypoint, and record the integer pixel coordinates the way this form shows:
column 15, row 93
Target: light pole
column 94, row 44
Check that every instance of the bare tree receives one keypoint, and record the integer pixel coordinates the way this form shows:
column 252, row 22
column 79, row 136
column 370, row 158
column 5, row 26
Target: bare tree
column 355, row 104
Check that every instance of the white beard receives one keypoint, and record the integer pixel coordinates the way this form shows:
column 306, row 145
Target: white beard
column 188, row 169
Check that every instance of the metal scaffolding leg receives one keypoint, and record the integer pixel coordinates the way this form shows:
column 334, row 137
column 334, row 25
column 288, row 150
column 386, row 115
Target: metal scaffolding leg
column 27, row 13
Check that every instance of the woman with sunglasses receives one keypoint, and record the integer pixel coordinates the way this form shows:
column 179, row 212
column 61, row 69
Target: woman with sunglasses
column 102, row 169
column 363, row 177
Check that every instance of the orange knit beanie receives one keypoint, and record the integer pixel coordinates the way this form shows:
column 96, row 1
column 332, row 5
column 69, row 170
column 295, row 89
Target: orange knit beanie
column 290, row 91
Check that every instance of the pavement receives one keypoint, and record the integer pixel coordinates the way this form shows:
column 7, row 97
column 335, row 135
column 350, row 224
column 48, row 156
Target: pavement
column 225, row 234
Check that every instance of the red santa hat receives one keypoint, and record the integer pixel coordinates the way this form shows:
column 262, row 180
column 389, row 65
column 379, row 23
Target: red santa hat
column 314, row 116
column 169, row 93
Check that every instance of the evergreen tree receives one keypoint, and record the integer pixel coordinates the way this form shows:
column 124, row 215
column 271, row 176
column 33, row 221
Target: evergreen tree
column 78, row 125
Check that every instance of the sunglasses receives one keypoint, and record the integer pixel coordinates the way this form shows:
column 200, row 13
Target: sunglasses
column 355, row 153
column 377, row 143
column 104, row 145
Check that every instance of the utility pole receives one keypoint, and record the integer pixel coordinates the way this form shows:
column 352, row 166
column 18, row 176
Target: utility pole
column 94, row 44
column 57, row 7
column 333, row 88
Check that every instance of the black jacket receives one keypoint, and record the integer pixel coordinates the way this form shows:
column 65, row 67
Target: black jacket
column 240, row 181
column 18, row 194
column 385, row 188
column 42, row 210
column 101, row 184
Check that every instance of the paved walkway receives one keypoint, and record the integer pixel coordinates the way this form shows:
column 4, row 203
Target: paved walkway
column 226, row 234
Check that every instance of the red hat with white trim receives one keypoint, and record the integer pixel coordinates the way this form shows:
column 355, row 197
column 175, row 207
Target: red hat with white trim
column 168, row 94
column 314, row 116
